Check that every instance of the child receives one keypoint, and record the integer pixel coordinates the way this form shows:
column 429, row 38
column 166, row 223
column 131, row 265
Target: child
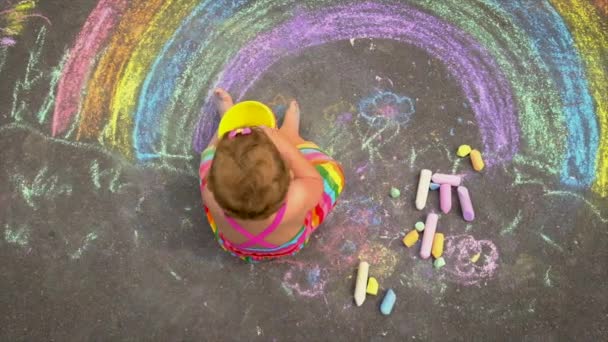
column 266, row 190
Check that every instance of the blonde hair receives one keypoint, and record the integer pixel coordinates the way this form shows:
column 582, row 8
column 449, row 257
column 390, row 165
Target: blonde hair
column 248, row 176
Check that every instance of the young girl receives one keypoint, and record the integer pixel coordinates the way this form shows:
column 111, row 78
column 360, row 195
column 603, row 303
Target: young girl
column 266, row 190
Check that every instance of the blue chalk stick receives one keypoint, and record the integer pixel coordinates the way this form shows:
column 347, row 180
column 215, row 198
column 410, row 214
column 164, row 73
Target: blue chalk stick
column 434, row 186
column 388, row 302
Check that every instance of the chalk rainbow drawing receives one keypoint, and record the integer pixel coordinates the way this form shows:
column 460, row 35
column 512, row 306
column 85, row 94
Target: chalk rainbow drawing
column 139, row 74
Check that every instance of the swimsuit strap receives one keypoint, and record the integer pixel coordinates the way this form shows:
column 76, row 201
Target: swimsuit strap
column 258, row 239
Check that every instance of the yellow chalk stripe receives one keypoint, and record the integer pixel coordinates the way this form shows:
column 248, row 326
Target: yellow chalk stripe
column 122, row 108
column 591, row 40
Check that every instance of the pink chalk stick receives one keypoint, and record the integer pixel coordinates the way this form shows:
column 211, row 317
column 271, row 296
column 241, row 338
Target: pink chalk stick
column 429, row 234
column 445, row 198
column 441, row 178
column 465, row 204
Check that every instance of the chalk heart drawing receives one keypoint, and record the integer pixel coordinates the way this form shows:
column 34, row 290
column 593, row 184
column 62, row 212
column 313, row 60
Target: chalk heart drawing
column 461, row 267
column 384, row 107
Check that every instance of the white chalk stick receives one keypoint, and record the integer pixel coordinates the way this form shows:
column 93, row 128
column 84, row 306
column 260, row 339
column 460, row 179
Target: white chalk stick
column 423, row 188
column 440, row 178
column 429, row 234
column 361, row 285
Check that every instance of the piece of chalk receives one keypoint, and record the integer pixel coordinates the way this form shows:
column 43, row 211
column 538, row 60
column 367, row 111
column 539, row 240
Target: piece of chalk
column 465, row 204
column 429, row 233
column 440, row 178
column 434, row 186
column 411, row 238
column 445, row 198
column 439, row 262
column 437, row 249
column 395, row 193
column 419, row 226
column 463, row 150
column 361, row 285
column 475, row 257
column 476, row 160
column 388, row 302
column 423, row 188
column 372, row 286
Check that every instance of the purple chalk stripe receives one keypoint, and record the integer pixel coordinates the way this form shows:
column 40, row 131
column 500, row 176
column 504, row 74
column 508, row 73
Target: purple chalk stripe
column 7, row 41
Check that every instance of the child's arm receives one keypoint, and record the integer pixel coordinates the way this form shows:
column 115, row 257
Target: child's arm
column 213, row 140
column 307, row 185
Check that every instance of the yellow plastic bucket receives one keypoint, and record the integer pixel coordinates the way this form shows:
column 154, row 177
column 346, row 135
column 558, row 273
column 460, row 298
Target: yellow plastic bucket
column 246, row 114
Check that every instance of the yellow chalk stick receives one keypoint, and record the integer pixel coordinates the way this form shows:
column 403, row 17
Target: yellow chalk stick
column 476, row 160
column 411, row 238
column 372, row 286
column 463, row 150
column 475, row 257
column 437, row 249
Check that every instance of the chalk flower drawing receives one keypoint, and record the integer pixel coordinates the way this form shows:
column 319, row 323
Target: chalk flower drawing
column 384, row 106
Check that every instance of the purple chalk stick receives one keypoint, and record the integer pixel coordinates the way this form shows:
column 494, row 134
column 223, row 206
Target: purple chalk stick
column 441, row 178
column 429, row 234
column 465, row 204
column 445, row 197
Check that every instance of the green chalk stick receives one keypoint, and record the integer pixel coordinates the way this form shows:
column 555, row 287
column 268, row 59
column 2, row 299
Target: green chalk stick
column 395, row 193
